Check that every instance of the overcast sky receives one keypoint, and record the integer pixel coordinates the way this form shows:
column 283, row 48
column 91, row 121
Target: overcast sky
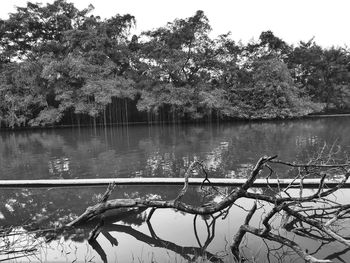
column 292, row 20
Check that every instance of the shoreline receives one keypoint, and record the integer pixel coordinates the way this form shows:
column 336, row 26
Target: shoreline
column 328, row 115
column 312, row 116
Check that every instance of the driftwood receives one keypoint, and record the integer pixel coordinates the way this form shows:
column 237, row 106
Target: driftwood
column 310, row 214
column 320, row 217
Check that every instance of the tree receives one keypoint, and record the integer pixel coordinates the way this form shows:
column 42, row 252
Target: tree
column 273, row 93
column 89, row 69
column 82, row 61
column 36, row 28
column 85, row 86
column 273, row 45
column 180, row 61
column 322, row 73
column 21, row 93
column 95, row 67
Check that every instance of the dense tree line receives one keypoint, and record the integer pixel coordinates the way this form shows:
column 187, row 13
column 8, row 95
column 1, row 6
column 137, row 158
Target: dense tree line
column 61, row 65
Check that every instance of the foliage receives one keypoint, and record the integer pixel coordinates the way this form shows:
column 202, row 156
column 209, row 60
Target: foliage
column 272, row 93
column 36, row 27
column 322, row 73
column 59, row 64
column 20, row 92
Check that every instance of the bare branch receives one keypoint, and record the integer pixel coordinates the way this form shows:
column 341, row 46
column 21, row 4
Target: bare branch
column 314, row 216
column 284, row 241
column 310, row 165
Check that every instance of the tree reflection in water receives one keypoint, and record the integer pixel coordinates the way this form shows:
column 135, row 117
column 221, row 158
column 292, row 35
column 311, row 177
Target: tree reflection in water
column 162, row 151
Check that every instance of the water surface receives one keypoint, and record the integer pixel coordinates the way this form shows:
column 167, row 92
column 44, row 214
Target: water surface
column 161, row 151
column 228, row 150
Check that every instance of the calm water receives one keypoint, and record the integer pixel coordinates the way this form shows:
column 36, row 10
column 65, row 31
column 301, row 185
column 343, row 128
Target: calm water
column 151, row 151
column 161, row 151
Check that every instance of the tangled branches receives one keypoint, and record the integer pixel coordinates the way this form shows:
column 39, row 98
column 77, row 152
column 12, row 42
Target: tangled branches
column 311, row 214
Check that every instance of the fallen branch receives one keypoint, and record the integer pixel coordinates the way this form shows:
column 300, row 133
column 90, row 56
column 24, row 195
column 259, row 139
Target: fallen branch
column 296, row 209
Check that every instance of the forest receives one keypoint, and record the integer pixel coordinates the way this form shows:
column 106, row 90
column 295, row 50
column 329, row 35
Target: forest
column 63, row 66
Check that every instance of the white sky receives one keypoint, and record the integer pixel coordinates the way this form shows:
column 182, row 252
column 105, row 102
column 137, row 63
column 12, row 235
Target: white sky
column 292, row 20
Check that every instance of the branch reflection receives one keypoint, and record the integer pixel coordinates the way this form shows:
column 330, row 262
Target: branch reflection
column 189, row 253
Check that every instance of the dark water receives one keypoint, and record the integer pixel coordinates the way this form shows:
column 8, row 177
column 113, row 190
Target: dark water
column 228, row 150
column 161, row 151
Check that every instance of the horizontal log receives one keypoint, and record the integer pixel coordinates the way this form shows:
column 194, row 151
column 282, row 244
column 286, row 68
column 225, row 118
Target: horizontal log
column 307, row 183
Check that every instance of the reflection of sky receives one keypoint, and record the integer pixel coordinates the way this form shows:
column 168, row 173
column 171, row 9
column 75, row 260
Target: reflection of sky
column 58, row 167
column 214, row 159
column 178, row 228
column 303, row 140
column 227, row 150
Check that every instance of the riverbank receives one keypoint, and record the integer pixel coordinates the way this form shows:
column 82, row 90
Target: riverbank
column 238, row 120
column 328, row 115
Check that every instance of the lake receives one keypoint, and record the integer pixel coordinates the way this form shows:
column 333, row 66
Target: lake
column 227, row 150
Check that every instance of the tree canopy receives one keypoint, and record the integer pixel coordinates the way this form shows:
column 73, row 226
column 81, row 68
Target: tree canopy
column 62, row 65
